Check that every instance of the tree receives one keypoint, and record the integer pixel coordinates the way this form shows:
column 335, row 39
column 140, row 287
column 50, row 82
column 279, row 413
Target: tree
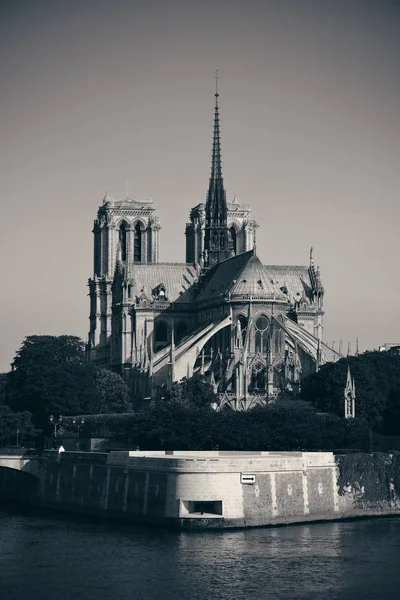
column 15, row 426
column 195, row 391
column 174, row 425
column 377, row 380
column 50, row 375
column 3, row 382
column 113, row 394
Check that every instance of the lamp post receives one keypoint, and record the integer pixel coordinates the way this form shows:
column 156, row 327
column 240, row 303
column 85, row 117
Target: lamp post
column 79, row 423
column 56, row 423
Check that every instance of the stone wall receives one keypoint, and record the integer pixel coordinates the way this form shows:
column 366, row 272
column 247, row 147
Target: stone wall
column 196, row 489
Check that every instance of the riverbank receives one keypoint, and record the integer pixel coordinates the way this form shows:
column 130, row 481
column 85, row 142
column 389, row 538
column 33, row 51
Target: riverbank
column 203, row 490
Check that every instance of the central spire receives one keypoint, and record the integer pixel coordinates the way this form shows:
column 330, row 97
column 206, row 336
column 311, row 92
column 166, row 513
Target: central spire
column 216, row 230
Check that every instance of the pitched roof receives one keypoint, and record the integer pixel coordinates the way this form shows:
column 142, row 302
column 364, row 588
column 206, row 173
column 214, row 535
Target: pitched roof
column 244, row 275
column 178, row 279
column 295, row 278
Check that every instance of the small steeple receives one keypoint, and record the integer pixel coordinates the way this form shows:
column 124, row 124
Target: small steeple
column 349, row 397
column 216, row 230
column 357, row 348
column 315, row 278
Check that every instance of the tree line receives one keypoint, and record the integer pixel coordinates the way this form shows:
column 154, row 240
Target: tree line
column 50, row 376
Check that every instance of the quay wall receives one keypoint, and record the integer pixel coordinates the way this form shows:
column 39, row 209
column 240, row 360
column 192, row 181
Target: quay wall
column 197, row 489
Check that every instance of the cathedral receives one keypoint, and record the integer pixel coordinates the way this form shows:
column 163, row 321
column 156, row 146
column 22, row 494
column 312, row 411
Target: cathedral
column 253, row 330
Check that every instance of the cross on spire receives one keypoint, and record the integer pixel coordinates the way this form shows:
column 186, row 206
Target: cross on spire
column 216, row 83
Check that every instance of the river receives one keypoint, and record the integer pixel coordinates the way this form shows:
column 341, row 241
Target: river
column 46, row 556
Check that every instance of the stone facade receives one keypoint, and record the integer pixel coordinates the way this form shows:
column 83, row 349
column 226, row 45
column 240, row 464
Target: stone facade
column 252, row 329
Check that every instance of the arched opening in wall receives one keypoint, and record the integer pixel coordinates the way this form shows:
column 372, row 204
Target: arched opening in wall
column 232, row 240
column 258, row 378
column 160, row 335
column 261, row 334
column 241, row 329
column 122, row 240
column 137, row 244
column 215, row 239
column 129, row 291
column 180, row 331
column 222, row 241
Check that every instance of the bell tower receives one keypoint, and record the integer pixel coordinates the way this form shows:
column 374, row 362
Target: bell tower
column 125, row 231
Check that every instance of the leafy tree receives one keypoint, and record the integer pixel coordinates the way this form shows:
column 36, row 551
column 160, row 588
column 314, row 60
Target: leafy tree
column 195, row 391
column 3, row 382
column 113, row 394
column 11, row 422
column 50, row 375
column 288, row 425
column 377, row 380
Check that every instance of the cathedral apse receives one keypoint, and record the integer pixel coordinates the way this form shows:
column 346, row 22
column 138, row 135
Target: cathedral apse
column 253, row 330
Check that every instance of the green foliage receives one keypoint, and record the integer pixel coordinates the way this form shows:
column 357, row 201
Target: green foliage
column 192, row 392
column 115, row 426
column 377, row 380
column 3, row 382
column 113, row 393
column 370, row 477
column 181, row 425
column 50, row 376
column 10, row 422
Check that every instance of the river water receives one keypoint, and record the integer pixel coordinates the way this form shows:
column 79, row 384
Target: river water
column 46, row 556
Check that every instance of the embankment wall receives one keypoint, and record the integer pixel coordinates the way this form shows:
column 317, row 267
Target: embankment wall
column 195, row 489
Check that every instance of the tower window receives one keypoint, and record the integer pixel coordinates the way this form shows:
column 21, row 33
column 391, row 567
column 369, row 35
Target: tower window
column 232, row 240
column 137, row 244
column 122, row 241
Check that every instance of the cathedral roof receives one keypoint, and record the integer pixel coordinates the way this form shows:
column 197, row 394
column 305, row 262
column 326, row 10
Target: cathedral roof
column 296, row 279
column 241, row 275
column 176, row 278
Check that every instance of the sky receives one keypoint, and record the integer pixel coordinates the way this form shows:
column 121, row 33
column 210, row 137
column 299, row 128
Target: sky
column 117, row 96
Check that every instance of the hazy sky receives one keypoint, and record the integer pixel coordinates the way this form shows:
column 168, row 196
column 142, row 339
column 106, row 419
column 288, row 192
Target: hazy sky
column 94, row 93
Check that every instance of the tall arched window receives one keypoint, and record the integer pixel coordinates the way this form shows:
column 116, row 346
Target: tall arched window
column 261, row 337
column 122, row 240
column 222, row 241
column 137, row 244
column 232, row 240
column 242, row 327
column 258, row 377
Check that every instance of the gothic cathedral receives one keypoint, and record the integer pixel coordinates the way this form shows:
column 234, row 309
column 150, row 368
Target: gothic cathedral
column 252, row 330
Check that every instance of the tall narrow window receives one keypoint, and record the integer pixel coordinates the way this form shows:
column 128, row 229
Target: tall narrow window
column 137, row 244
column 261, row 338
column 122, row 241
column 232, row 240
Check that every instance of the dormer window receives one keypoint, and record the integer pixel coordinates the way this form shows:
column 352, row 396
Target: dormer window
column 160, row 292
